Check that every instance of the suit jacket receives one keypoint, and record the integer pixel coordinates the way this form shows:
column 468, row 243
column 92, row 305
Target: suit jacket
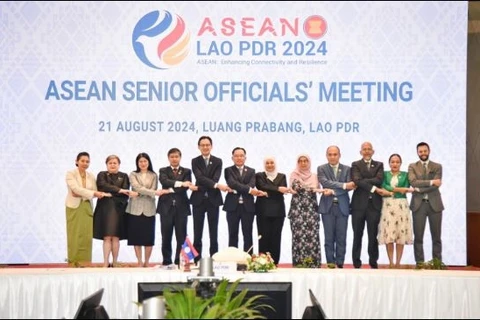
column 242, row 186
column 168, row 179
column 206, row 178
column 327, row 179
column 112, row 183
column 74, row 185
column 145, row 202
column 418, row 180
column 364, row 180
column 274, row 204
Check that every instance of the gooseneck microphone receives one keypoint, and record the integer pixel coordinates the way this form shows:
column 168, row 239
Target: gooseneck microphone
column 259, row 237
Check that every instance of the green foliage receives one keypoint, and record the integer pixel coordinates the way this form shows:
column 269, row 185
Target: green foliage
column 225, row 304
column 307, row 262
column 434, row 264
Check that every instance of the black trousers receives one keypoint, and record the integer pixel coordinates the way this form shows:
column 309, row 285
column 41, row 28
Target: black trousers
column 270, row 228
column 233, row 219
column 172, row 220
column 372, row 217
column 212, row 213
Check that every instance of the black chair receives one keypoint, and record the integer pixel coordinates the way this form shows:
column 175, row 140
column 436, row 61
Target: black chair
column 315, row 311
column 90, row 307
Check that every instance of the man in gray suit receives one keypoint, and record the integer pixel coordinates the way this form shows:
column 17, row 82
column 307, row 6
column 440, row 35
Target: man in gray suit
column 425, row 177
column 335, row 206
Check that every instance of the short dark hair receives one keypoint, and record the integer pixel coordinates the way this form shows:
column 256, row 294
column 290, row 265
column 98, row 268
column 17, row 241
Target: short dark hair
column 205, row 137
column 174, row 150
column 333, row 146
column 239, row 148
column 146, row 156
column 82, row 154
column 395, row 155
column 421, row 144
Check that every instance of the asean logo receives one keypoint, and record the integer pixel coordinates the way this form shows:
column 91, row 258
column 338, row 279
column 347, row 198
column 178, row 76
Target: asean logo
column 160, row 40
column 315, row 27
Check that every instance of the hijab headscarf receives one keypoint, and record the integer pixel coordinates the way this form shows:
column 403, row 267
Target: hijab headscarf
column 306, row 176
column 271, row 175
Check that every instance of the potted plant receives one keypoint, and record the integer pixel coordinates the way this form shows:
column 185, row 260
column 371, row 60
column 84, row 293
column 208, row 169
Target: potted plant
column 224, row 304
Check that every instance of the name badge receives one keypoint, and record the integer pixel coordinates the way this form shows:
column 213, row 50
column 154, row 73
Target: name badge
column 223, row 267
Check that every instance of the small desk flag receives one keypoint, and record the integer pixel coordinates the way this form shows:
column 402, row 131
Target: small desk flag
column 188, row 250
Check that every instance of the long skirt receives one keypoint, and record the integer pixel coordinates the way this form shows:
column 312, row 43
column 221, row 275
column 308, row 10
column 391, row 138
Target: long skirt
column 80, row 232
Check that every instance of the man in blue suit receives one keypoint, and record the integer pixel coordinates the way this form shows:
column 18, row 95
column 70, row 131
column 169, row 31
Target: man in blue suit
column 335, row 206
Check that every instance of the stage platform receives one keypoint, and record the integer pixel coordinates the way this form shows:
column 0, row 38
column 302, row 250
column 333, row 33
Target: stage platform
column 343, row 293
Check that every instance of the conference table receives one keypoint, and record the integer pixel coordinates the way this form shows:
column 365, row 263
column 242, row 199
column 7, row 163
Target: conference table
column 342, row 293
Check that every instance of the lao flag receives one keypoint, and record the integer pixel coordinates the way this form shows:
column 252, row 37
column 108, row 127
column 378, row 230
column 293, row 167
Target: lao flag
column 188, row 251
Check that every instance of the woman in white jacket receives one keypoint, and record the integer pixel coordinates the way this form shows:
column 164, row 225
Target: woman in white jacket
column 82, row 188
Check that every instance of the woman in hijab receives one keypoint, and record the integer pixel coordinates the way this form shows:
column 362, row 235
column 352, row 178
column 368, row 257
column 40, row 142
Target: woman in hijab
column 270, row 209
column 304, row 216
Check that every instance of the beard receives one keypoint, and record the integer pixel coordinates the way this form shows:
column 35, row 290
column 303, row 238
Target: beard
column 423, row 157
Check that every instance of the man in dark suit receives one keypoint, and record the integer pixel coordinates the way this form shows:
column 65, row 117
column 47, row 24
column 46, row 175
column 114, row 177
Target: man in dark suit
column 239, row 204
column 174, row 207
column 425, row 177
column 334, row 206
column 206, row 197
column 366, row 206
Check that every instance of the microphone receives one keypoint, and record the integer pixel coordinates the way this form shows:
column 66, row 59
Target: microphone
column 259, row 237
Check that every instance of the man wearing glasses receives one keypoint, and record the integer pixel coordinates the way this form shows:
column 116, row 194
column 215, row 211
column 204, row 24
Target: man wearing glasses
column 206, row 196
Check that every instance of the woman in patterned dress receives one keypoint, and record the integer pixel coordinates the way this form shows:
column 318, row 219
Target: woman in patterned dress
column 395, row 229
column 303, row 214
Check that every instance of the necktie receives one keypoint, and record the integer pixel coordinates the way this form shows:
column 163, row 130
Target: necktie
column 175, row 172
column 206, row 162
column 335, row 171
column 368, row 165
column 425, row 177
column 240, row 172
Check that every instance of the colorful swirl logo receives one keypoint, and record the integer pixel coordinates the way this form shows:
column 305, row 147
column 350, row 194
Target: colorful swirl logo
column 160, row 40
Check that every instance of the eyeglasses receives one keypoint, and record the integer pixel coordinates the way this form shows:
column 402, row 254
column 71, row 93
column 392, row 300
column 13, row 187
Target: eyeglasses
column 205, row 145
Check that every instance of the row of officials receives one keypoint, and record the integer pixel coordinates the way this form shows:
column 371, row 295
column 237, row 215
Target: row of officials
column 126, row 206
